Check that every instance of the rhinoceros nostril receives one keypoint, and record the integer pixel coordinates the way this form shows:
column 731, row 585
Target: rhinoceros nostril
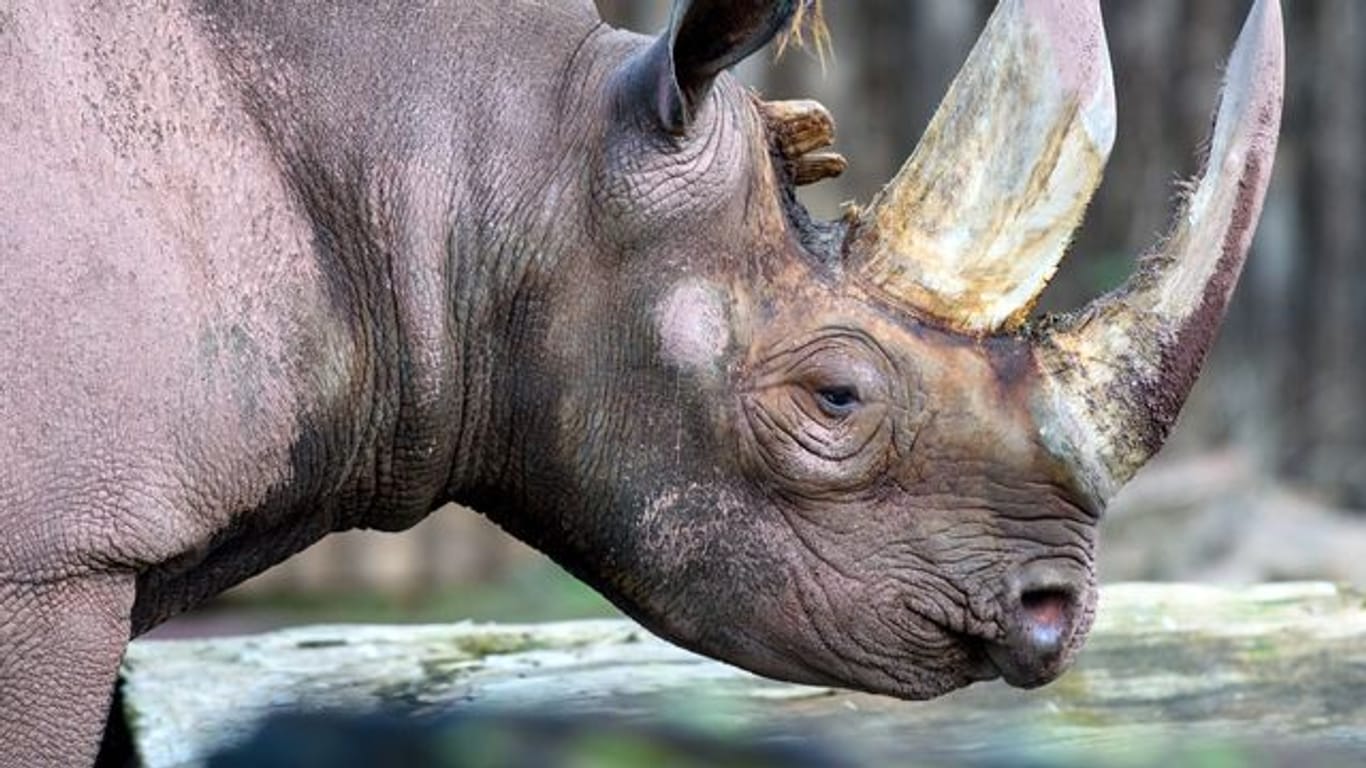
column 1039, row 625
column 1046, row 620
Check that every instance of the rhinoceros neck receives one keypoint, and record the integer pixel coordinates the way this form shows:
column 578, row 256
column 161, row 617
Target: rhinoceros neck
column 420, row 141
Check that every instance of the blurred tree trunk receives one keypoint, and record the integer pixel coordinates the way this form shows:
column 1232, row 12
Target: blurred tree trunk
column 639, row 15
column 1333, row 267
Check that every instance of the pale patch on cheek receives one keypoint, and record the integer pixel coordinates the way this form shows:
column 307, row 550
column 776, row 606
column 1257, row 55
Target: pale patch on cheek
column 694, row 325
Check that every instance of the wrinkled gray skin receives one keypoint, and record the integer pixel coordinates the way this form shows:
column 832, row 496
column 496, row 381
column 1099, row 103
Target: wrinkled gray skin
column 271, row 272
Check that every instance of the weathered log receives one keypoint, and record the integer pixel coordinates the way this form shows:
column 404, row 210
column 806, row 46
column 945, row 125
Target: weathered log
column 799, row 127
column 1283, row 665
column 816, row 167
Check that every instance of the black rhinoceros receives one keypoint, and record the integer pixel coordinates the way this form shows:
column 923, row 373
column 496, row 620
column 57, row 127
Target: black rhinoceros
column 271, row 270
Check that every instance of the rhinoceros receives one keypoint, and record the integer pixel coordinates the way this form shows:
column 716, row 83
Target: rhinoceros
column 272, row 270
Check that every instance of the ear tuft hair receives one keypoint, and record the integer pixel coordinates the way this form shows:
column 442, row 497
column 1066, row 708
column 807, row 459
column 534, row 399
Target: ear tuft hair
column 807, row 27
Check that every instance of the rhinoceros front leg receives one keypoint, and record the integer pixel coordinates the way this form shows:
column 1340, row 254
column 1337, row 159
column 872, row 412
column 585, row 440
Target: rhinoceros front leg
column 62, row 643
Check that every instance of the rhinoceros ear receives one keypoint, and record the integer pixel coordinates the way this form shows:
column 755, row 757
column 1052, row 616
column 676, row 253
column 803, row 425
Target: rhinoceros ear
column 704, row 39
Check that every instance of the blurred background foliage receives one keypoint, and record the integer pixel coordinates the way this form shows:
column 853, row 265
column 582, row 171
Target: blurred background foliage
column 1265, row 476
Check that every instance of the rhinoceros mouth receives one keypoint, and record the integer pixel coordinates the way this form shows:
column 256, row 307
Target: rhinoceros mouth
column 981, row 666
column 990, row 660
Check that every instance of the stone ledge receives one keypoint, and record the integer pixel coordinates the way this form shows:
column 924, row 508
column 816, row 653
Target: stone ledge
column 1281, row 664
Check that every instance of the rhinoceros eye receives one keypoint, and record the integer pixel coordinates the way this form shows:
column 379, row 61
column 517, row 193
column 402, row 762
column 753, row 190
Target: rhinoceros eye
column 837, row 401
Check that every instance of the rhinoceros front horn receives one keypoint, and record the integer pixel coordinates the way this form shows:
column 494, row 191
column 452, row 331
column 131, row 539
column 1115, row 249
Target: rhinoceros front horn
column 1118, row 372
column 973, row 227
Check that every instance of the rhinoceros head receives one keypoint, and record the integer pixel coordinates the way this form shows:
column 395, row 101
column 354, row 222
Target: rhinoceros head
column 843, row 452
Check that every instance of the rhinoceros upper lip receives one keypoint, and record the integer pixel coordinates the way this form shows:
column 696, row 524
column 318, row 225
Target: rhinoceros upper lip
column 1017, row 674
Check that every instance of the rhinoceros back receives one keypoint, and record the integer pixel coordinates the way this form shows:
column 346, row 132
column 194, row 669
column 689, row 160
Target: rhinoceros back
column 158, row 298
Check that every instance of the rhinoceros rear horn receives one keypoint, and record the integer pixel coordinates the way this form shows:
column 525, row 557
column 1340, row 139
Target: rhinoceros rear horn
column 974, row 225
column 704, row 39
